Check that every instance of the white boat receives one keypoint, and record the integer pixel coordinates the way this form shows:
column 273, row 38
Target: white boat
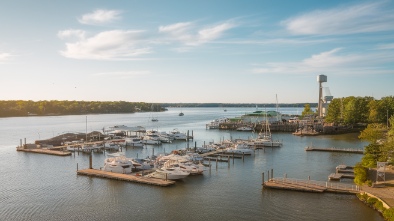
column 176, row 135
column 133, row 142
column 240, row 148
column 151, row 139
column 117, row 163
column 216, row 123
column 244, row 128
column 264, row 138
column 190, row 167
column 172, row 173
column 111, row 146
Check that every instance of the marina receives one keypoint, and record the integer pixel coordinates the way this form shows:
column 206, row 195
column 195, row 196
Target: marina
column 212, row 192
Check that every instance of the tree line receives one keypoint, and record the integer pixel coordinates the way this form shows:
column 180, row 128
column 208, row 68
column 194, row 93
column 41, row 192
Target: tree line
column 352, row 110
column 14, row 108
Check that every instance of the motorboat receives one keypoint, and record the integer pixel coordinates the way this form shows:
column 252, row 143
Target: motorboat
column 110, row 146
column 176, row 135
column 117, row 163
column 133, row 142
column 151, row 139
column 244, row 128
column 190, row 167
column 240, row 148
column 173, row 173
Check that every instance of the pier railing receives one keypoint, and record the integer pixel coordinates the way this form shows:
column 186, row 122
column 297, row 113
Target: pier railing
column 313, row 184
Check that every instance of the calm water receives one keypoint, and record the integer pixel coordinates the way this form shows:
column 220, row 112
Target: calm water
column 44, row 187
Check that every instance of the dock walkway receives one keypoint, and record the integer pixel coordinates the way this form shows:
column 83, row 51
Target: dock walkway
column 125, row 177
column 45, row 151
column 335, row 149
column 310, row 186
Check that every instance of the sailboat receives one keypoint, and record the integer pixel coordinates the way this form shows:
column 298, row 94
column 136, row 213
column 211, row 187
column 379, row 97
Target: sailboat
column 265, row 139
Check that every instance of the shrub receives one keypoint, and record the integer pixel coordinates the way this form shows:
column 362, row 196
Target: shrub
column 363, row 197
column 379, row 206
column 388, row 214
column 371, row 201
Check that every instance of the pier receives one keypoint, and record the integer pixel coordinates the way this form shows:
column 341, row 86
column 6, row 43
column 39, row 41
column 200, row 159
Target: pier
column 310, row 186
column 335, row 149
column 125, row 177
column 45, row 151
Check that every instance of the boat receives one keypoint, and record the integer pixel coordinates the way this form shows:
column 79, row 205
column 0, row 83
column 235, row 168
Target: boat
column 155, row 119
column 265, row 139
column 111, row 146
column 176, row 135
column 133, row 142
column 181, row 114
column 151, row 139
column 117, row 163
column 239, row 148
column 186, row 166
column 244, row 128
column 173, row 173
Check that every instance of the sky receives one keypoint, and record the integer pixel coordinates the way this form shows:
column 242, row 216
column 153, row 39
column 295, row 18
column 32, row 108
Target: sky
column 187, row 51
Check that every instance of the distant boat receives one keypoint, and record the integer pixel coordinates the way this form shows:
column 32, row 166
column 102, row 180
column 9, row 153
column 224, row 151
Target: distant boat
column 225, row 110
column 155, row 119
column 181, row 114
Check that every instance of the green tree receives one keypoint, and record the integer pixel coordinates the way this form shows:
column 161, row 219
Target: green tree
column 307, row 110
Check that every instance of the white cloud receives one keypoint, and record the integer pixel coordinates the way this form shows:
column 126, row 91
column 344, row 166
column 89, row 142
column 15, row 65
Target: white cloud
column 80, row 34
column 108, row 45
column 122, row 74
column 362, row 18
column 100, row 16
column 5, row 57
column 330, row 62
column 188, row 34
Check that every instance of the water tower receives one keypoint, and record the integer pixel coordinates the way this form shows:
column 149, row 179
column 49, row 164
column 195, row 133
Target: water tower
column 321, row 79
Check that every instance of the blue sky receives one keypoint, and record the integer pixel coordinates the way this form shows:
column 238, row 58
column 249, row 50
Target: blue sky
column 195, row 51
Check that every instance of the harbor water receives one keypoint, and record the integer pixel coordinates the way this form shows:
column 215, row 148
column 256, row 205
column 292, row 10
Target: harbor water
column 46, row 187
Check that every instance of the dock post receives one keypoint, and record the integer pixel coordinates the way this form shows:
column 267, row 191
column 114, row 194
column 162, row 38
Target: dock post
column 243, row 156
column 195, row 146
column 263, row 177
column 187, row 137
column 153, row 151
column 137, row 155
column 228, row 161
column 77, row 166
column 166, row 176
column 90, row 160
column 268, row 175
column 209, row 164
column 233, row 157
column 272, row 173
column 216, row 163
column 20, row 143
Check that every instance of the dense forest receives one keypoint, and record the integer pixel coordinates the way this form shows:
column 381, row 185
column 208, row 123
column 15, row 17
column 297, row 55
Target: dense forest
column 352, row 110
column 234, row 105
column 15, row 108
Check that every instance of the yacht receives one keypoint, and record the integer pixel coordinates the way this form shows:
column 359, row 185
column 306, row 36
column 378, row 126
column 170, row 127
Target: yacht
column 176, row 135
column 117, row 163
column 173, row 173
column 133, row 142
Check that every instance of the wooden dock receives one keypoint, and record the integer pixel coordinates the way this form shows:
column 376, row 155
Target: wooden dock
column 45, row 151
column 335, row 149
column 125, row 177
column 310, row 186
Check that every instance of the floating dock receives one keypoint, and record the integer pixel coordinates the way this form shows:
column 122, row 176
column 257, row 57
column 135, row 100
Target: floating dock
column 335, row 149
column 45, row 151
column 310, row 186
column 125, row 177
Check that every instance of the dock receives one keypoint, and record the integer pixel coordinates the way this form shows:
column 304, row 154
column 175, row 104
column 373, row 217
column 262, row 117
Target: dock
column 335, row 149
column 125, row 177
column 45, row 151
column 310, row 186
